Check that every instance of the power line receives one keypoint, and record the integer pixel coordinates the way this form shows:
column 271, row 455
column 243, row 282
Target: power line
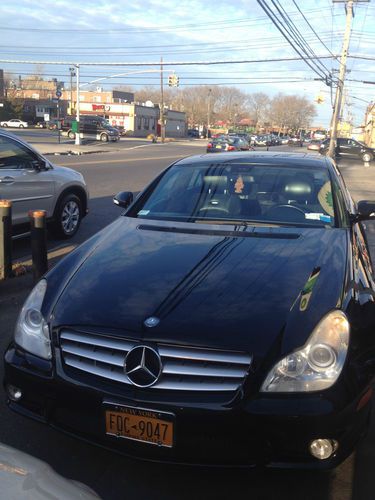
column 318, row 37
column 184, row 27
column 286, row 34
column 171, row 63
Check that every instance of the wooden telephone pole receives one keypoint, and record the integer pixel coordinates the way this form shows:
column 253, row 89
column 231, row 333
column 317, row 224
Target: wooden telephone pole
column 340, row 84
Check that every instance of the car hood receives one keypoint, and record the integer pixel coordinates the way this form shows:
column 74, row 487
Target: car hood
column 209, row 285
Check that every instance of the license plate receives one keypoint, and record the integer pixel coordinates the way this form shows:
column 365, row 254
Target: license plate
column 138, row 424
column 218, row 147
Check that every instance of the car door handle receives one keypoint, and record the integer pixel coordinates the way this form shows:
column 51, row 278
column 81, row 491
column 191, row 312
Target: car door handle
column 6, row 180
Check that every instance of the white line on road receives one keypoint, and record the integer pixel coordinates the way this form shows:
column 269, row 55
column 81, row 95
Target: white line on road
column 124, row 160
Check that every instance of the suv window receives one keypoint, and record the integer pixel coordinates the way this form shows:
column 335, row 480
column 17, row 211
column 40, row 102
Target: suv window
column 14, row 155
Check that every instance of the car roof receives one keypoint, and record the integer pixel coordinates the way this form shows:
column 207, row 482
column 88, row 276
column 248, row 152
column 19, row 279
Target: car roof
column 264, row 157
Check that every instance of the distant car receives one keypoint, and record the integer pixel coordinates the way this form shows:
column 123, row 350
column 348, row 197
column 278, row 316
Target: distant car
column 54, row 124
column 349, row 148
column 285, row 140
column 262, row 140
column 226, row 144
column 14, row 123
column 314, row 145
column 243, row 135
column 41, row 124
column 43, row 483
column 32, row 182
column 192, row 132
column 319, row 135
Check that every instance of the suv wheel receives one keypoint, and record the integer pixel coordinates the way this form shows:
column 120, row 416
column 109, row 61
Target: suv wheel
column 68, row 216
column 71, row 134
column 104, row 138
column 367, row 157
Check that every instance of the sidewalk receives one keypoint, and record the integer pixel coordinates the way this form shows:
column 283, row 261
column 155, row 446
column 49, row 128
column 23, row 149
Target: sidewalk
column 68, row 147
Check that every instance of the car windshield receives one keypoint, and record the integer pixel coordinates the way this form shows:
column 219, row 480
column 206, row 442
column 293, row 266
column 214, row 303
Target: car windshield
column 248, row 192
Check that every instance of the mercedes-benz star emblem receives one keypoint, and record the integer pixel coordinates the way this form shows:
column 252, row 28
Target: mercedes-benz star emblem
column 143, row 366
column 152, row 321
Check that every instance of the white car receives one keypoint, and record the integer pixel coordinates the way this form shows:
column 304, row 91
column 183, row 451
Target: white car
column 14, row 123
column 32, row 182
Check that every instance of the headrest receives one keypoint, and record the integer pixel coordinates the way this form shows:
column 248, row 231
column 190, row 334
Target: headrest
column 298, row 188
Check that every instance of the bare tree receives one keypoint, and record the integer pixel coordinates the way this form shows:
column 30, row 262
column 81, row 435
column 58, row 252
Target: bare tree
column 291, row 112
column 258, row 105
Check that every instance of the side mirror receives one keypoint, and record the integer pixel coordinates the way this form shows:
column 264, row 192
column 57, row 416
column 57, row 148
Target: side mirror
column 365, row 211
column 123, row 199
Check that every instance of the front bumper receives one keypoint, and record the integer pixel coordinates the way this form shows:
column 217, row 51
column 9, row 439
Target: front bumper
column 268, row 431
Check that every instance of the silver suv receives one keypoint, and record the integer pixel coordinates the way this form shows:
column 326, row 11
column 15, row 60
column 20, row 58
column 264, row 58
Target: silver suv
column 33, row 183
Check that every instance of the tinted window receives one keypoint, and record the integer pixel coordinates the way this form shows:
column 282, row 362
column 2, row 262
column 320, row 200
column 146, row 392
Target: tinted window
column 15, row 155
column 249, row 192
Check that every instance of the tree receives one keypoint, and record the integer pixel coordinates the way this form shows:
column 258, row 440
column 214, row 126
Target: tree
column 292, row 112
column 258, row 105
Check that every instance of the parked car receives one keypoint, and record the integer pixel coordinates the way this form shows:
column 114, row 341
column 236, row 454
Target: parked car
column 54, row 124
column 41, row 124
column 262, row 140
column 349, row 148
column 231, row 295
column 228, row 143
column 92, row 127
column 32, row 182
column 192, row 132
column 314, row 145
column 14, row 123
column 24, row 477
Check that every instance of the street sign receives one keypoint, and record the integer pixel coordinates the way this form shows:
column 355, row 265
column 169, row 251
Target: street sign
column 46, row 117
column 58, row 93
column 55, row 99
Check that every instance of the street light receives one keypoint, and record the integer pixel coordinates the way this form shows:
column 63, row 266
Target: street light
column 72, row 73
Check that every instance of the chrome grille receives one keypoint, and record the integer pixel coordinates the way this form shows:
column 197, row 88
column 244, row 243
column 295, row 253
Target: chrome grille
column 184, row 368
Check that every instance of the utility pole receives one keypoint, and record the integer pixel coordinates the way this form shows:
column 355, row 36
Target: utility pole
column 162, row 126
column 208, row 110
column 78, row 138
column 340, row 84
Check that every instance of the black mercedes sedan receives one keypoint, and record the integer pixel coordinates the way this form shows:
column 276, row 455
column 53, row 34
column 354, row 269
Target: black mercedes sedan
column 225, row 318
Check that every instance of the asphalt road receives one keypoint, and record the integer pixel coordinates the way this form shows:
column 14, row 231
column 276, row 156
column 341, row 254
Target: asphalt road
column 115, row 477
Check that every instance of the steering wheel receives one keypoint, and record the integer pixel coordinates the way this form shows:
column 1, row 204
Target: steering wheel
column 214, row 209
column 284, row 213
column 288, row 206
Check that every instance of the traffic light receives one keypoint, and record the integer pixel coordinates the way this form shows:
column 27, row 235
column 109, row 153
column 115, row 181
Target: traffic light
column 173, row 80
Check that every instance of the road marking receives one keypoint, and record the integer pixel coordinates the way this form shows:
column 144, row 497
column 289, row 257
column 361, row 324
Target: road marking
column 80, row 162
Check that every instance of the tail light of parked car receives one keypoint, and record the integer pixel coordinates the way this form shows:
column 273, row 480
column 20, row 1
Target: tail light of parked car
column 209, row 145
column 230, row 148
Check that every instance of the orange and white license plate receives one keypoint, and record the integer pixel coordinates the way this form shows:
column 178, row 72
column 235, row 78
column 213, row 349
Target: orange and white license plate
column 139, row 424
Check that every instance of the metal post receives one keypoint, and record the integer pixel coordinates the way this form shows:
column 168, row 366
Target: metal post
column 340, row 84
column 5, row 239
column 162, row 126
column 78, row 138
column 58, row 120
column 38, row 242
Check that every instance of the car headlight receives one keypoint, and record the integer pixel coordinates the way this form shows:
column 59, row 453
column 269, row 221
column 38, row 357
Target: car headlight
column 32, row 332
column 318, row 364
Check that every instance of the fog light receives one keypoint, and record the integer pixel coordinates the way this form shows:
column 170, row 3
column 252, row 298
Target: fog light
column 323, row 448
column 14, row 393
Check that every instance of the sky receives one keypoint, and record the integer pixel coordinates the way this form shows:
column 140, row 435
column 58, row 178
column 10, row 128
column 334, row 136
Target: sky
column 69, row 32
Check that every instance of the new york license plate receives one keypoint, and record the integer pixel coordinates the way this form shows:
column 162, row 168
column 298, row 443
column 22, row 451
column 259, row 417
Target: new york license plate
column 148, row 426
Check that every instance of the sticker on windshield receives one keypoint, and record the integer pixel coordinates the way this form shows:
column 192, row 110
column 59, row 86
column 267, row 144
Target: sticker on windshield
column 325, row 198
column 143, row 212
column 317, row 216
